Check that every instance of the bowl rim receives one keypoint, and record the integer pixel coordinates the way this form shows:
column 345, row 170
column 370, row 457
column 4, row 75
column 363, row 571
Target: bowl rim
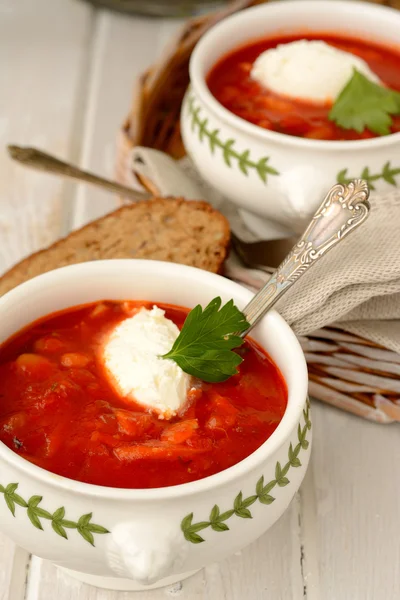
column 200, row 87
column 296, row 396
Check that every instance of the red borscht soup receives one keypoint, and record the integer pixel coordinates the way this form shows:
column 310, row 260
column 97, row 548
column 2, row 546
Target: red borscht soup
column 58, row 409
column 231, row 84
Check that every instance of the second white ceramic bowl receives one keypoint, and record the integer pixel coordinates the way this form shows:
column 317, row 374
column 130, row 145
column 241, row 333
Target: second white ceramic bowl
column 129, row 538
column 268, row 175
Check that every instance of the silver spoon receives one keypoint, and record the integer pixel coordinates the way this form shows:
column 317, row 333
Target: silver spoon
column 344, row 208
column 37, row 159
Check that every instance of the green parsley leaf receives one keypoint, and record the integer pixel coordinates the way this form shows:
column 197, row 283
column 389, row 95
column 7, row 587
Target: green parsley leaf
column 204, row 346
column 363, row 104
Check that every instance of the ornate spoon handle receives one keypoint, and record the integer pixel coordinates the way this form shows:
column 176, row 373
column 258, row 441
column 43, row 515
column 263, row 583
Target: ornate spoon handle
column 344, row 208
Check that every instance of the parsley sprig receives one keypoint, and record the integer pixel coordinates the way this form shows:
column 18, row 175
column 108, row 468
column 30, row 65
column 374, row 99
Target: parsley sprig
column 204, row 346
column 363, row 104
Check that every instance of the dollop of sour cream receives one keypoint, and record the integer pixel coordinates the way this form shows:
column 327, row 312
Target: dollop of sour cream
column 308, row 70
column 131, row 356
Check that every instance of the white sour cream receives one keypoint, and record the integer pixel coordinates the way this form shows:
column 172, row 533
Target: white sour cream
column 309, row 70
column 131, row 357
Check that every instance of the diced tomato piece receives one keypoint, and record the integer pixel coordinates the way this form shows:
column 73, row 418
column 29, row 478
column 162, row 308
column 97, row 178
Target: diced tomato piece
column 99, row 310
column 100, row 450
column 179, row 432
column 50, row 344
column 75, row 359
column 47, row 400
column 245, row 67
column 216, row 423
column 35, row 366
column 223, row 413
column 94, row 408
column 188, row 410
column 131, row 308
column 82, row 377
column 133, row 423
column 265, row 124
column 294, row 124
column 97, row 417
column 106, row 423
column 14, row 422
column 154, row 450
column 275, row 103
column 105, row 438
column 67, row 389
column 200, row 443
column 55, row 439
column 322, row 132
column 194, row 394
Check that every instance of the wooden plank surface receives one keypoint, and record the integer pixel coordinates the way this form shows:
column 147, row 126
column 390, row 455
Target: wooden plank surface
column 68, row 94
column 123, row 48
column 42, row 50
column 356, row 473
column 43, row 46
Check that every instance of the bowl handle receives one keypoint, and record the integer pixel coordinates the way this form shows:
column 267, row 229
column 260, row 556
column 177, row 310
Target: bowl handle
column 146, row 551
column 303, row 188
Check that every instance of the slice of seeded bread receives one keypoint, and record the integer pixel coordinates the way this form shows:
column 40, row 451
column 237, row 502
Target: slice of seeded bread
column 170, row 229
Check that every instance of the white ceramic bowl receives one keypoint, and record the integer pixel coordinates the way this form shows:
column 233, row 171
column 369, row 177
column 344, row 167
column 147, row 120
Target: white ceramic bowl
column 233, row 155
column 148, row 536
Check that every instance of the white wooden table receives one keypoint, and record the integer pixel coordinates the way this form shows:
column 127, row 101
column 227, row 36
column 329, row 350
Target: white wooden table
column 66, row 75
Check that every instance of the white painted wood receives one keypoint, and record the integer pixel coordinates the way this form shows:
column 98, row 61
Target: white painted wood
column 123, row 48
column 42, row 50
column 14, row 564
column 355, row 468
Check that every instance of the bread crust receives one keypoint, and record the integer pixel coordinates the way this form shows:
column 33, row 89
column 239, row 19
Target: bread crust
column 68, row 247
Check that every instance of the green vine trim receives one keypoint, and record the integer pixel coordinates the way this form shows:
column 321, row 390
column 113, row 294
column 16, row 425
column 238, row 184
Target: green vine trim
column 388, row 174
column 229, row 154
column 84, row 526
column 217, row 519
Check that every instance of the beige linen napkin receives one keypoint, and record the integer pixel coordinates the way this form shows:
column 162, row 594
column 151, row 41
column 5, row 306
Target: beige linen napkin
column 357, row 285
column 355, row 288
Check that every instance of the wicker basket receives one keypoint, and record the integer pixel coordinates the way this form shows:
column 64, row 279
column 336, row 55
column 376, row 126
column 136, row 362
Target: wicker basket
column 345, row 371
column 157, row 8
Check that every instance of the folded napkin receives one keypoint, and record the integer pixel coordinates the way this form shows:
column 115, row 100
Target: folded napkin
column 356, row 286
column 355, row 289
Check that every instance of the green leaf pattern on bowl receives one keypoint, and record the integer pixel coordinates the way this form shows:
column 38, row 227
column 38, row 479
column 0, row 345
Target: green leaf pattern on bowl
column 230, row 154
column 59, row 523
column 388, row 174
column 217, row 519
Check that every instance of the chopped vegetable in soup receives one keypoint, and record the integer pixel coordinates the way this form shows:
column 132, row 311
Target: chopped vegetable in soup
column 292, row 90
column 60, row 410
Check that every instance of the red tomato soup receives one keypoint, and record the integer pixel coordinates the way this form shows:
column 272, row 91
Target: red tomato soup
column 59, row 411
column 230, row 83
